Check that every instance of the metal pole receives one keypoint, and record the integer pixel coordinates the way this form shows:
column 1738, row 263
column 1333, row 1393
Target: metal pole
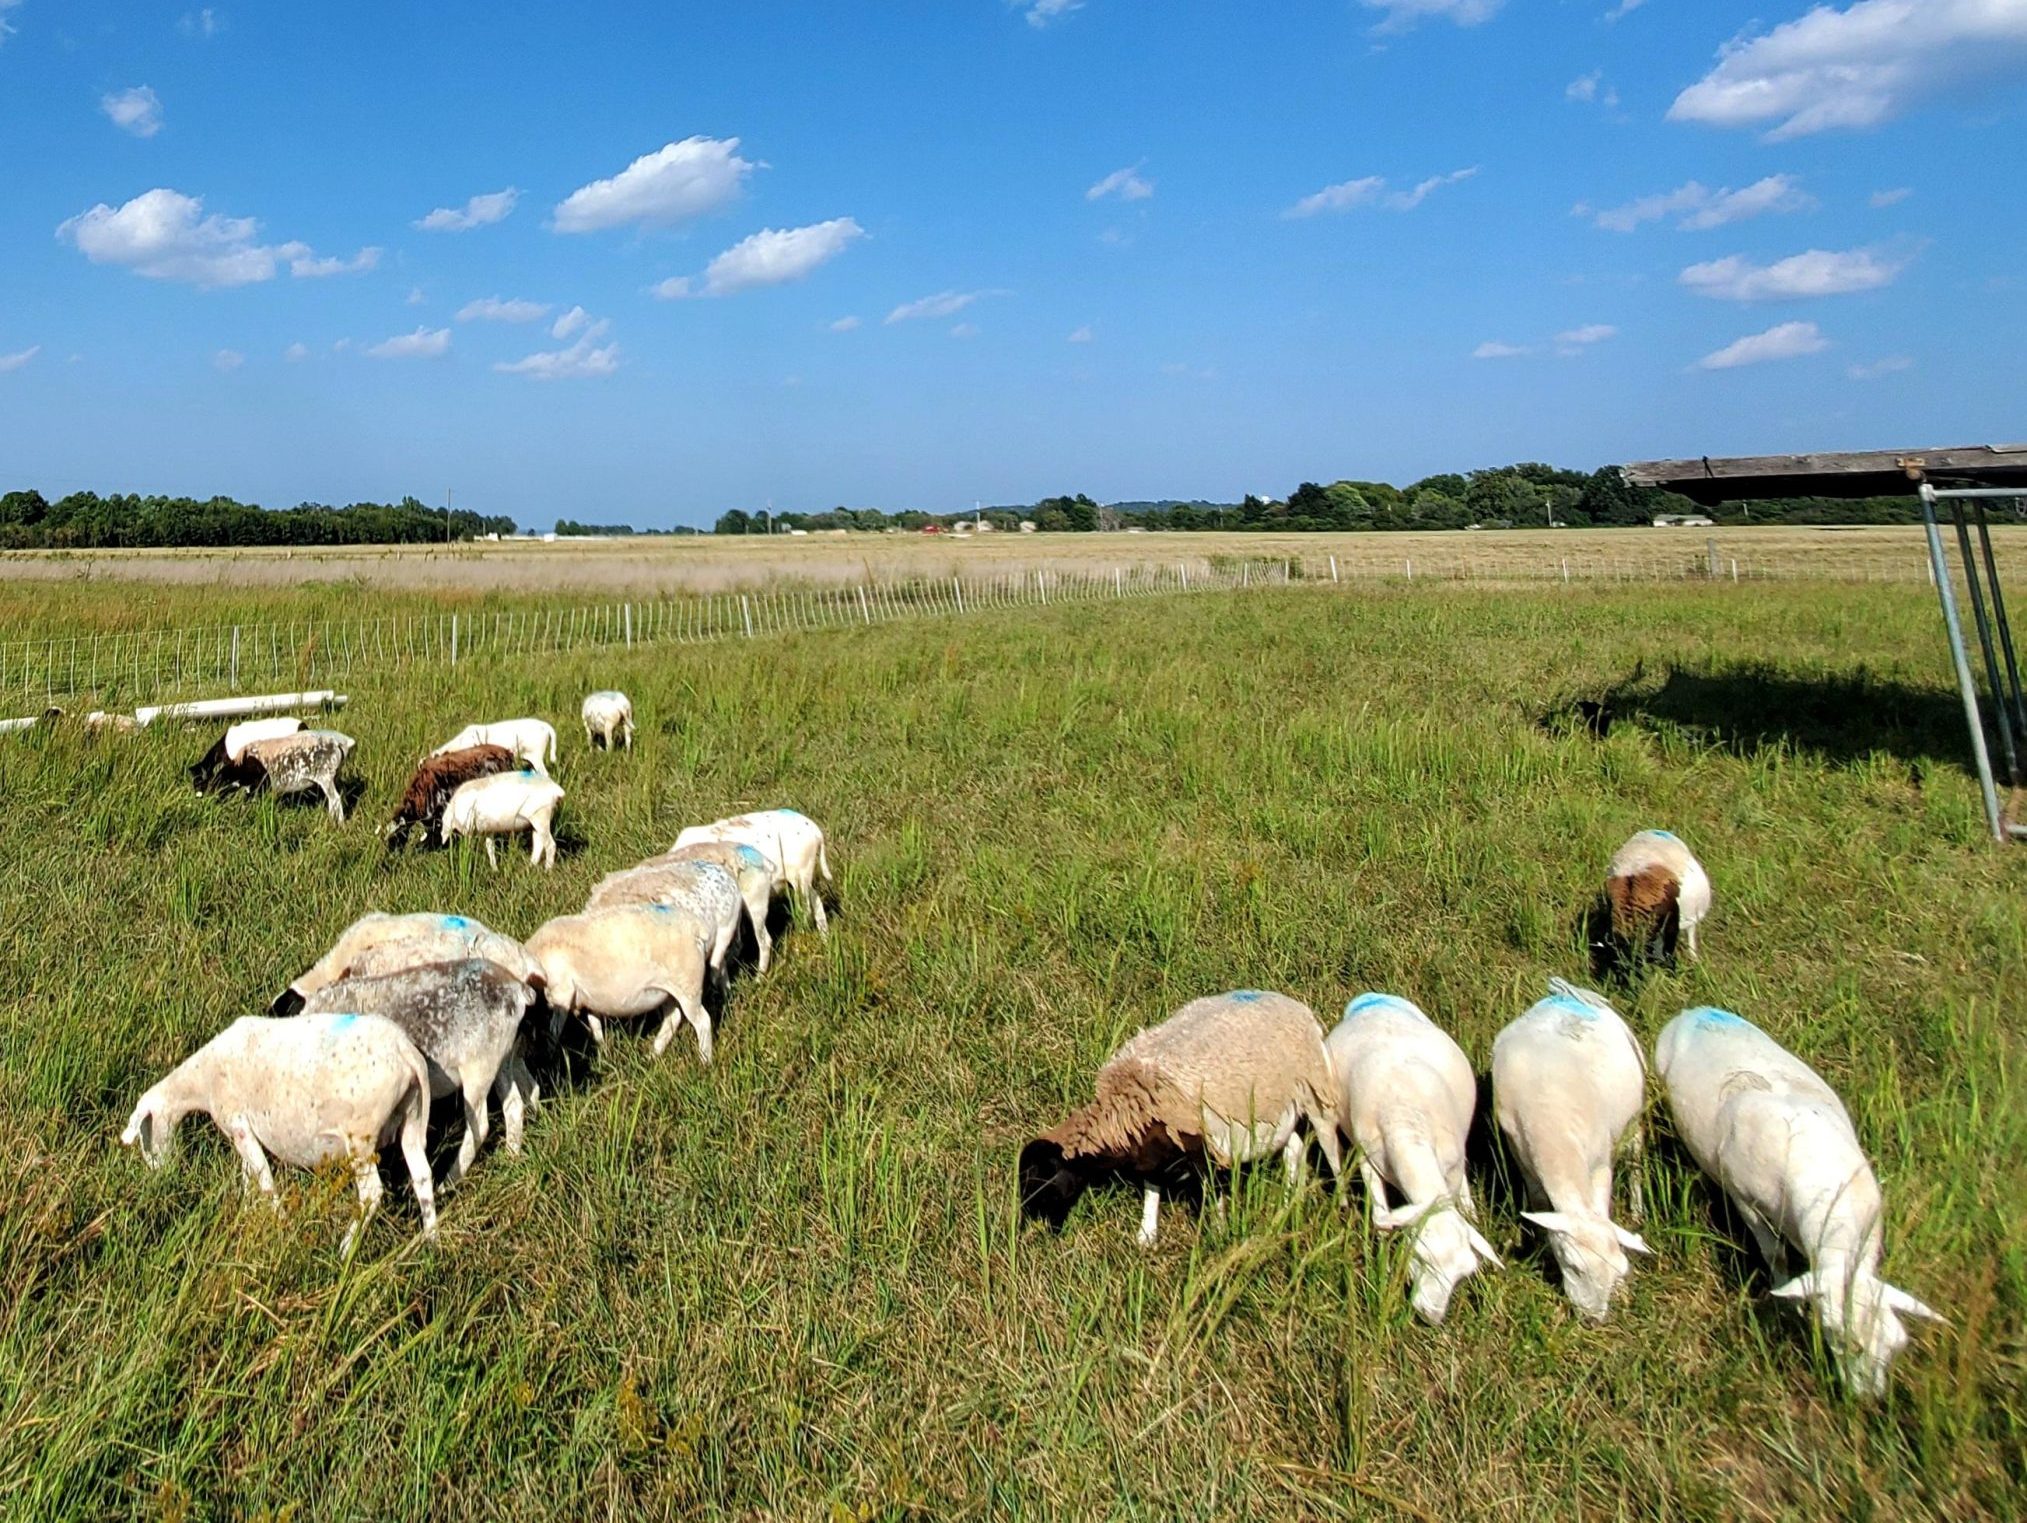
column 453, row 639
column 1999, row 618
column 746, row 613
column 629, row 626
column 1977, row 591
column 234, row 683
column 1966, row 689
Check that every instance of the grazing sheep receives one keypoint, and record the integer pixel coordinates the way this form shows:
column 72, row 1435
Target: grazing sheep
column 465, row 1018
column 704, row 889
column 630, row 960
column 1223, row 1081
column 1656, row 890
column 300, row 763
column 230, row 748
column 307, row 1090
column 1780, row 1144
column 529, row 739
column 1568, row 1079
column 1405, row 1097
column 376, row 943
column 505, row 804
column 434, row 782
column 608, row 714
column 750, row 869
column 791, row 841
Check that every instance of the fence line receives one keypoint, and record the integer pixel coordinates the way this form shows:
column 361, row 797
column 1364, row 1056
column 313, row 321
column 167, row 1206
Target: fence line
column 302, row 654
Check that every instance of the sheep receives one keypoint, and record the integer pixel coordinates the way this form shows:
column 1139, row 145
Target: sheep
column 465, row 1018
column 1405, row 1097
column 230, row 748
column 377, row 943
column 705, row 889
column 750, row 869
column 1224, row 1080
column 608, row 714
column 435, row 780
column 1774, row 1136
column 629, row 960
column 299, row 763
column 506, row 804
column 529, row 739
column 792, row 841
column 307, row 1090
column 1568, row 1079
column 1656, row 889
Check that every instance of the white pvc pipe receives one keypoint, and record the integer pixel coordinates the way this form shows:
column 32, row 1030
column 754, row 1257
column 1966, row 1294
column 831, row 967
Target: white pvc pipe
column 239, row 708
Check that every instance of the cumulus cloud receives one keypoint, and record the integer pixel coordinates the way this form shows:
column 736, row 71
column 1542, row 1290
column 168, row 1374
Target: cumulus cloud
column 1783, row 341
column 1854, row 67
column 1493, row 349
column 480, row 211
column 1816, row 272
column 1081, row 335
column 228, row 359
column 569, row 323
column 942, row 304
column 295, row 354
column 674, row 183
column 165, row 235
column 581, row 360
column 18, row 358
column 1371, row 190
column 204, row 23
column 1041, row 12
column 771, row 257
column 1881, row 199
column 1697, row 208
column 844, row 325
column 1878, row 368
column 138, row 110
column 490, row 309
column 1592, row 87
column 422, row 344
column 305, row 266
column 1127, row 184
column 1403, row 14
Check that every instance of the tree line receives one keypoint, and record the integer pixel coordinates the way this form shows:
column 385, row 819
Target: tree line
column 86, row 520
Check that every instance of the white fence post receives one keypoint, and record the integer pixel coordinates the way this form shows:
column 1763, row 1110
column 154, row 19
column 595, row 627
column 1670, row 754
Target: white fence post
column 864, row 612
column 234, row 683
column 1411, row 570
column 629, row 626
column 1118, row 583
column 453, row 639
column 1183, row 567
column 746, row 613
column 1333, row 568
column 1565, row 568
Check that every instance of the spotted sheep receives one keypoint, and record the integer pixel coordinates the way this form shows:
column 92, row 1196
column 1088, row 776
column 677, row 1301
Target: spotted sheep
column 1657, row 891
column 309, row 1091
column 435, row 780
column 1225, row 1080
column 752, row 871
column 628, row 961
column 230, row 748
column 1774, row 1136
column 307, row 761
column 703, row 889
column 1405, row 1096
column 378, row 943
column 1568, row 1082
column 531, row 740
column 608, row 717
column 506, row 804
column 792, row 842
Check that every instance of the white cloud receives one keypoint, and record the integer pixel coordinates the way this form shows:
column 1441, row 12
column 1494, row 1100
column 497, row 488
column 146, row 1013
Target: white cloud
column 1403, row 14
column 493, row 310
column 580, row 361
column 1623, row 8
column 1081, row 335
column 204, row 23
column 942, row 304
column 1493, row 349
column 415, row 296
column 1372, row 188
column 1854, row 67
column 164, row 235
column 1589, row 333
column 964, row 330
column 1878, row 368
column 1784, row 341
column 295, row 354
column 1592, row 87
column 422, row 344
column 1041, row 12
column 18, row 358
column 1699, row 208
column 1126, row 184
column 844, row 325
column 1881, row 199
column 7, row 28
column 480, row 211
column 771, row 257
column 676, row 182
column 138, row 110
column 228, row 359
column 1816, row 272
column 305, row 266
column 569, row 323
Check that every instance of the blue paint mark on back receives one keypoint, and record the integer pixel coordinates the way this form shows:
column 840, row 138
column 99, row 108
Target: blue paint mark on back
column 1375, row 1001
column 1666, row 835
column 749, row 857
column 454, row 922
column 1710, row 1015
column 1245, row 996
column 1569, row 1004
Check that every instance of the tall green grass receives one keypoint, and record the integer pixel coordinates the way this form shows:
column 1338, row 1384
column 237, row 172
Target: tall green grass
column 796, row 1284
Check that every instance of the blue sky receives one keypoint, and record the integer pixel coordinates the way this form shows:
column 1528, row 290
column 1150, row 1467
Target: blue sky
column 973, row 249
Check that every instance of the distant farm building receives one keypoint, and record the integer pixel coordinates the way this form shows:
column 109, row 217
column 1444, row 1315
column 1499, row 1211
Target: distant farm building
column 1683, row 521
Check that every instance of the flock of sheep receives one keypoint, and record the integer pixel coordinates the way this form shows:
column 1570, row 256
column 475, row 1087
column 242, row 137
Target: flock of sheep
column 406, row 1007
column 1243, row 1076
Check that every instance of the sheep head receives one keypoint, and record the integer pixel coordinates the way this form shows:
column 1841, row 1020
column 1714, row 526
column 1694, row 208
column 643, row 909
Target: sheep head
column 1447, row 1250
column 1592, row 1253
column 1861, row 1321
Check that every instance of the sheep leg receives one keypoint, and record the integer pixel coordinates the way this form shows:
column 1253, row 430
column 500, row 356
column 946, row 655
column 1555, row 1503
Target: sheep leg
column 757, row 918
column 1326, row 1138
column 1773, row 1248
column 415, row 1152
column 1636, row 1174
column 476, row 1126
column 519, row 1094
column 718, row 950
column 253, row 1161
column 1689, row 932
column 691, row 1008
column 366, row 1175
column 1375, row 1189
column 590, row 741
column 807, row 887
column 1292, row 1160
column 1150, row 1215
column 492, row 855
column 626, row 734
column 334, row 801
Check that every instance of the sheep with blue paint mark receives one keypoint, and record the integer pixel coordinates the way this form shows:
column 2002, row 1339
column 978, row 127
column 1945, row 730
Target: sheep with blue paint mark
column 791, row 841
column 1774, row 1136
column 750, row 870
column 628, row 961
column 378, row 943
column 1568, row 1082
column 1405, row 1096
column 704, row 889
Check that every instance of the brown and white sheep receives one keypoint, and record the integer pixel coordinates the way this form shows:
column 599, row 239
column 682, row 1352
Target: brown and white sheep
column 435, row 780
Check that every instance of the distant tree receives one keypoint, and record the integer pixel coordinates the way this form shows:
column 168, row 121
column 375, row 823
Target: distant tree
column 733, row 521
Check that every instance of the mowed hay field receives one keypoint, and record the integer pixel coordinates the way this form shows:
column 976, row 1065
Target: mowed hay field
column 796, row 1284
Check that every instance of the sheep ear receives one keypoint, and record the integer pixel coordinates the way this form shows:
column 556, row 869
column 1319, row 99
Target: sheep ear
column 1900, row 1301
column 1393, row 1218
column 1483, row 1248
column 1800, row 1288
column 1632, row 1242
column 1549, row 1221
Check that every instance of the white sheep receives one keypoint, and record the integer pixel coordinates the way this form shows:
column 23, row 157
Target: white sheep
column 1223, row 1081
column 792, row 842
column 608, row 715
column 505, row 804
column 378, row 943
column 1657, row 890
column 1405, row 1097
column 750, row 869
column 627, row 961
column 1568, row 1080
column 1780, row 1144
column 704, row 889
column 309, row 1090
column 239, row 736
column 531, row 740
